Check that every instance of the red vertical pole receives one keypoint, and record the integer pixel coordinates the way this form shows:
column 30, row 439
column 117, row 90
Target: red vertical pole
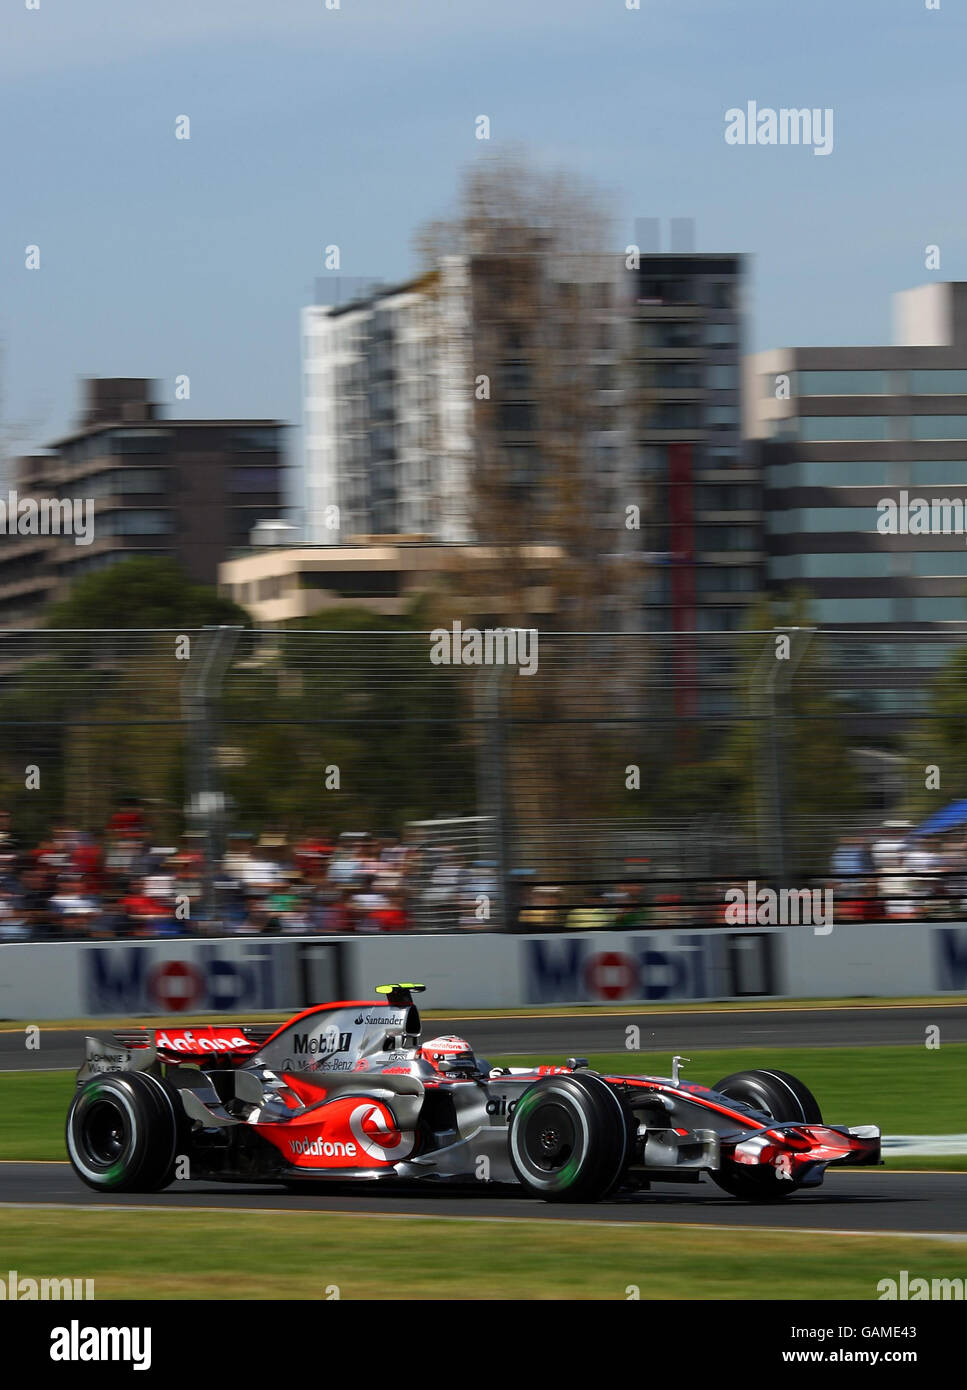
column 681, row 512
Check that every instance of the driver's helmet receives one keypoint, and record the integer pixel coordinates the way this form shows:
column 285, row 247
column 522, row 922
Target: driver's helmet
column 447, row 1049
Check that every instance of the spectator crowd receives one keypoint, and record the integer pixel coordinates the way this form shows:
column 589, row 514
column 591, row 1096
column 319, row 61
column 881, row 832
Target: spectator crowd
column 122, row 885
column 73, row 885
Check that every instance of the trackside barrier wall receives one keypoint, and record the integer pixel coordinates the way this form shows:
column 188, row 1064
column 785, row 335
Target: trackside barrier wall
column 259, row 974
column 76, row 980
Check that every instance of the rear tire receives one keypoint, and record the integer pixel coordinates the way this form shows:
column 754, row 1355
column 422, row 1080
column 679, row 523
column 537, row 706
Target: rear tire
column 782, row 1098
column 122, row 1133
column 569, row 1139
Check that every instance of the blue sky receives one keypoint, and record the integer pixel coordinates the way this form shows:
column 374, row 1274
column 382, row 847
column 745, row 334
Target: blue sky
column 311, row 126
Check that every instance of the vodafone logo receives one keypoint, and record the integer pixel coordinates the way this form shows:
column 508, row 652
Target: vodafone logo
column 323, row 1148
column 187, row 1041
column 374, row 1130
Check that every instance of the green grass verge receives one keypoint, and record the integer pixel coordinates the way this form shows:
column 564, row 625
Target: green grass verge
column 866, row 1001
column 904, row 1090
column 34, row 1108
column 245, row 1255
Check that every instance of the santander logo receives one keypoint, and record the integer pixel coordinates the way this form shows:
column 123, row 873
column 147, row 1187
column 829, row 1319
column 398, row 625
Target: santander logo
column 375, row 1132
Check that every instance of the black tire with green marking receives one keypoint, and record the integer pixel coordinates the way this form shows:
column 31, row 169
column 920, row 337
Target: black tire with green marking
column 122, row 1133
column 569, row 1139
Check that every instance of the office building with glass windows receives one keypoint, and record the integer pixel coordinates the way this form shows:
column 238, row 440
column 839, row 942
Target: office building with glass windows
column 843, row 431
column 864, row 456
column 705, row 512
column 389, row 436
column 187, row 490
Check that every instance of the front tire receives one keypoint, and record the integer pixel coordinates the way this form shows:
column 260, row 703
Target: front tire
column 782, row 1098
column 569, row 1138
column 122, row 1133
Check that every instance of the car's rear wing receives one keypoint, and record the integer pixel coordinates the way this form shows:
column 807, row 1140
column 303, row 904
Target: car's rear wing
column 113, row 1054
column 140, row 1048
column 143, row 1036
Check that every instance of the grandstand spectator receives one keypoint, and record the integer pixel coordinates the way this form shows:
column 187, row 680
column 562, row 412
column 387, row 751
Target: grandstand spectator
column 367, row 904
column 542, row 911
column 852, row 858
column 149, row 916
column 596, row 915
column 71, row 903
column 632, row 910
column 14, row 925
column 393, row 917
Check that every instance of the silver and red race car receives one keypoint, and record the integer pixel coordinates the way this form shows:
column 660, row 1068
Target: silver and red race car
column 348, row 1091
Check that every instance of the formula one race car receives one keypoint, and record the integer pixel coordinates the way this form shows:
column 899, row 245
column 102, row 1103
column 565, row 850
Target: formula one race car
column 347, row 1091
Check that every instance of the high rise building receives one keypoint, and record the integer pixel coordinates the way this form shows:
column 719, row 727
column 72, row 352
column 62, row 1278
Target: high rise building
column 843, row 430
column 189, row 490
column 384, row 438
column 705, row 514
column 391, row 444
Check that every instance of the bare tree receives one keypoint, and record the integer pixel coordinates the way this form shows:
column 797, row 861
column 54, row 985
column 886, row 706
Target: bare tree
column 541, row 357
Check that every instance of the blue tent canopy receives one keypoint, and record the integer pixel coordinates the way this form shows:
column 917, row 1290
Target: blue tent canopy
column 952, row 815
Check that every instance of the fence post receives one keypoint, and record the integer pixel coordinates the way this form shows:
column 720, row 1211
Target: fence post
column 492, row 782
column 773, row 677
column 200, row 688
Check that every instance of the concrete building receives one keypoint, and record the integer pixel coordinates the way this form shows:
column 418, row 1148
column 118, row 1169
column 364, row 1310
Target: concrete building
column 385, row 423
column 390, row 436
column 382, row 574
column 189, row 490
column 842, row 430
column 705, row 512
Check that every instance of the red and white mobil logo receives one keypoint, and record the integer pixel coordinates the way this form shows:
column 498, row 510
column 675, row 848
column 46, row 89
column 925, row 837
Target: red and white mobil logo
column 375, row 1131
column 611, row 975
column 176, row 985
column 676, row 966
column 129, row 978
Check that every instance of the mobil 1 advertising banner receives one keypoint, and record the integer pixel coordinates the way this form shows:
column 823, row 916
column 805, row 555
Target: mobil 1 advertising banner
column 642, row 967
column 186, row 977
column 950, row 958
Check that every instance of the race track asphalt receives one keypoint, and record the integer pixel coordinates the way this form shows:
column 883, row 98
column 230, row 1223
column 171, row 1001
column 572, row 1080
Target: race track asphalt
column 872, row 1200
column 554, row 1036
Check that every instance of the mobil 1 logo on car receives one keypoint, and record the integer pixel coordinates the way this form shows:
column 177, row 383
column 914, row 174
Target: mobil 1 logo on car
column 615, row 966
column 318, row 1050
column 182, row 977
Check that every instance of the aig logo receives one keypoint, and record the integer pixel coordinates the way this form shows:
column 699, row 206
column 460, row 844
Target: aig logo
column 501, row 1107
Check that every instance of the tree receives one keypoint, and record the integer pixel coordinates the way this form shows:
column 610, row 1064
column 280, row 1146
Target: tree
column 540, row 375
column 786, row 766
column 145, row 592
column 114, row 702
column 541, row 348
column 350, row 690
column 936, row 744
